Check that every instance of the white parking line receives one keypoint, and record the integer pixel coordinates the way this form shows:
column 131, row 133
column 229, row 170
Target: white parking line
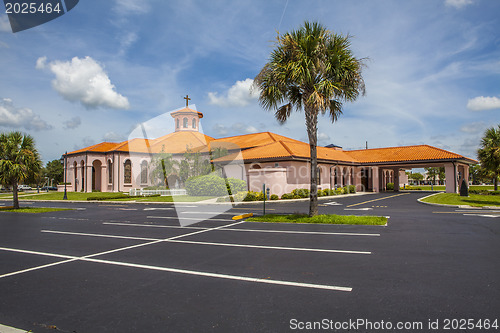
column 8, row 329
column 159, row 208
column 185, row 218
column 208, row 243
column 96, row 254
column 482, row 215
column 248, row 230
column 176, row 270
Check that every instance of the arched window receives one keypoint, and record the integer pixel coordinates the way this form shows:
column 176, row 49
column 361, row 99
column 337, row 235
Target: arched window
column 193, row 123
column 352, row 176
column 144, row 172
column 110, row 172
column 185, row 122
column 127, row 172
column 178, row 125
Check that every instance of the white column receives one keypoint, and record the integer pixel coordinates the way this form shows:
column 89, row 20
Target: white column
column 104, row 178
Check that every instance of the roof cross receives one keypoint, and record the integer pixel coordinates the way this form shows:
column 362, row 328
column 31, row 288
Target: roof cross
column 187, row 100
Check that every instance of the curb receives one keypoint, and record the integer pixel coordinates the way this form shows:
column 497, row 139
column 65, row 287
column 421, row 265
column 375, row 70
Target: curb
column 193, row 202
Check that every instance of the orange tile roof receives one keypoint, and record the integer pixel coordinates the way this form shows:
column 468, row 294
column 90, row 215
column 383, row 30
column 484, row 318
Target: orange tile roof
column 100, row 147
column 186, row 110
column 401, row 154
column 285, row 149
column 255, row 139
column 174, row 143
column 288, row 149
column 177, row 142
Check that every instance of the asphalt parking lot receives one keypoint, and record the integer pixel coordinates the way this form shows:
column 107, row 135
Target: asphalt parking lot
column 132, row 268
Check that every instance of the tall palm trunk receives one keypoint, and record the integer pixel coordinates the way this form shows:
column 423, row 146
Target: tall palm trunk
column 312, row 132
column 496, row 182
column 14, row 195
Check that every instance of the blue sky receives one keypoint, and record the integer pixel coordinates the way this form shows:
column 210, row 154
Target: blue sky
column 432, row 77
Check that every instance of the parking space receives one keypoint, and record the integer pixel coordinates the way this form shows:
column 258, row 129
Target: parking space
column 136, row 263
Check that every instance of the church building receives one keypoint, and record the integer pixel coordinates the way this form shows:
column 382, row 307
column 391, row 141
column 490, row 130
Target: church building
column 267, row 158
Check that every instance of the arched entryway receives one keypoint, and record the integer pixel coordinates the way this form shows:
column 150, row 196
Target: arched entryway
column 96, row 175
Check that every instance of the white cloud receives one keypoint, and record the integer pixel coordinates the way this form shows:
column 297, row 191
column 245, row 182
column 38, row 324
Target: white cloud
column 124, row 7
column 482, row 103
column 473, row 128
column 113, row 137
column 240, row 94
column 85, row 81
column 14, row 117
column 41, row 63
column 458, row 3
column 5, row 24
column 220, row 129
column 88, row 141
column 72, row 123
column 323, row 137
column 126, row 41
column 235, row 129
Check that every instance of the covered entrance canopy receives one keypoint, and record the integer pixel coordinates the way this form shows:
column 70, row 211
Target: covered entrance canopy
column 396, row 159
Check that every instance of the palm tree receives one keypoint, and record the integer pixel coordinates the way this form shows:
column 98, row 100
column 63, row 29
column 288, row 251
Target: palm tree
column 19, row 160
column 312, row 69
column 489, row 152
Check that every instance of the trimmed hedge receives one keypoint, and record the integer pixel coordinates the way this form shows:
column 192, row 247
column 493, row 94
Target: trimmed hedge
column 212, row 185
column 107, row 197
column 389, row 187
column 484, row 192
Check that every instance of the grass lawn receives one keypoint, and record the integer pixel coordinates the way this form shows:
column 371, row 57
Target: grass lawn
column 321, row 219
column 31, row 209
column 79, row 196
column 443, row 187
column 476, row 200
column 178, row 198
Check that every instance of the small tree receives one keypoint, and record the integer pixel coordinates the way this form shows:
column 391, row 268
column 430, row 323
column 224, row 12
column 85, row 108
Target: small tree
column 19, row 160
column 54, row 170
column 163, row 166
column 489, row 152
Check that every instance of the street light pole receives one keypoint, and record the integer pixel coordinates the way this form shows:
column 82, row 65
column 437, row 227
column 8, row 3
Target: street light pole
column 65, row 192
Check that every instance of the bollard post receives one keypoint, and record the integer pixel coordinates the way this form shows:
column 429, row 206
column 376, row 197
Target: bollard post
column 264, row 202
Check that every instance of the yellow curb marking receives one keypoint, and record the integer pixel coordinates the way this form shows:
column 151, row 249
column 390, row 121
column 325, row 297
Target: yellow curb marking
column 239, row 217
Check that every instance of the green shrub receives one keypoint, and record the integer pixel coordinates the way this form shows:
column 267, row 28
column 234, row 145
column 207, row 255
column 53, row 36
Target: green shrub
column 329, row 191
column 345, row 190
column 389, row 187
column 338, row 191
column 274, row 197
column 301, row 193
column 484, row 192
column 212, row 185
column 352, row 188
column 286, row 196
